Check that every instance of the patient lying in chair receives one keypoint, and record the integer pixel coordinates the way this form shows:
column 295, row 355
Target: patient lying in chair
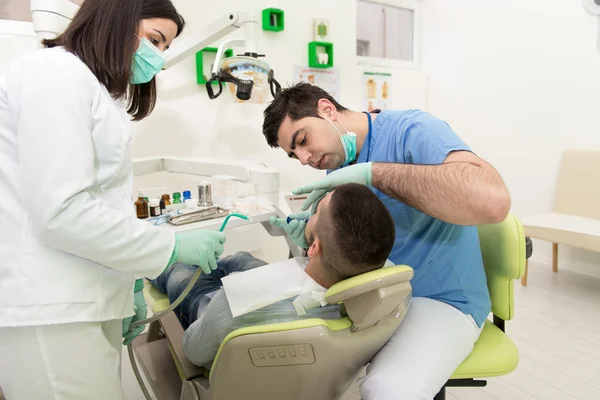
column 350, row 233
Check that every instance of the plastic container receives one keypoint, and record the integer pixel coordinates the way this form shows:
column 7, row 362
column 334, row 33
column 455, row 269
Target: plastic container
column 247, row 207
column 174, row 207
column 191, row 203
column 154, row 205
column 176, row 198
column 225, row 188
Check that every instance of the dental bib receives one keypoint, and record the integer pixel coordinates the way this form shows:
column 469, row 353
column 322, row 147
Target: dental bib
column 260, row 287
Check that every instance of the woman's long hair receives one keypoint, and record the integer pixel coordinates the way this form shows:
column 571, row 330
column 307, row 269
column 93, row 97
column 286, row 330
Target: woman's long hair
column 102, row 35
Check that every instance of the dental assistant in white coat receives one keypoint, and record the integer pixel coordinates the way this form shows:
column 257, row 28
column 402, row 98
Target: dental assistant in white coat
column 72, row 252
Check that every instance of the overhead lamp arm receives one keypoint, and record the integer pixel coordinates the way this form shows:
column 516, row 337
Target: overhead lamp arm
column 51, row 18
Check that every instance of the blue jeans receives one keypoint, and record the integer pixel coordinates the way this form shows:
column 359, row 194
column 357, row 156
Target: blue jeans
column 175, row 278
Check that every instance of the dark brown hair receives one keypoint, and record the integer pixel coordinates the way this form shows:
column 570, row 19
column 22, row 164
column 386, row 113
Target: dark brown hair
column 357, row 232
column 298, row 101
column 102, row 35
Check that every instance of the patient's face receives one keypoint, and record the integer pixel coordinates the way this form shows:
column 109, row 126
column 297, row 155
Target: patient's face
column 311, row 226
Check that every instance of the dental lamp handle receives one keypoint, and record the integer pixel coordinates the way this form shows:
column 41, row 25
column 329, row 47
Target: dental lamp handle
column 221, row 50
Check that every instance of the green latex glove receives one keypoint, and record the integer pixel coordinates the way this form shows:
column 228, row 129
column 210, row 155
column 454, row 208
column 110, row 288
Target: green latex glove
column 357, row 173
column 295, row 229
column 199, row 247
column 140, row 309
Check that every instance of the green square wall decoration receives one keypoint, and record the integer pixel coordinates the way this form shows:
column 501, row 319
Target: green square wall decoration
column 272, row 19
column 204, row 72
column 320, row 55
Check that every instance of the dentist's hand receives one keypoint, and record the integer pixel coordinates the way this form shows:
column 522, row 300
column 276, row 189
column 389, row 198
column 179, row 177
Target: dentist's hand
column 199, row 247
column 140, row 309
column 357, row 173
column 295, row 229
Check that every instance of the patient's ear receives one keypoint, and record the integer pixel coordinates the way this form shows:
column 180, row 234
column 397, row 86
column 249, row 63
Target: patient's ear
column 315, row 249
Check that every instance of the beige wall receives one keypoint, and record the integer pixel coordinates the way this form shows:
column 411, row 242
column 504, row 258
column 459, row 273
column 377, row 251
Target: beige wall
column 15, row 10
column 19, row 9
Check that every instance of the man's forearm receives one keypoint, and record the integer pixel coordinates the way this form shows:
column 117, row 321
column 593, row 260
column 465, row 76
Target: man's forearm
column 458, row 192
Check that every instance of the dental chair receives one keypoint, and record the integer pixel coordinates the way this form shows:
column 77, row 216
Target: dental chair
column 503, row 248
column 311, row 359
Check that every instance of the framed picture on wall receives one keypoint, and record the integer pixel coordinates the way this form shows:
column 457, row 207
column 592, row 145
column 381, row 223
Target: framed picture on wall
column 376, row 90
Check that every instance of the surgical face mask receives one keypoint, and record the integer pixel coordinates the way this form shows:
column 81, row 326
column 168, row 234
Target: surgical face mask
column 147, row 62
column 348, row 142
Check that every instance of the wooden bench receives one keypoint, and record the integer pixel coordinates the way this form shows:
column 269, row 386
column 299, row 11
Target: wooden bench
column 575, row 219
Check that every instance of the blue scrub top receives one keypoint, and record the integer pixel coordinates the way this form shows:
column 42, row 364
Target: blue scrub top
column 446, row 258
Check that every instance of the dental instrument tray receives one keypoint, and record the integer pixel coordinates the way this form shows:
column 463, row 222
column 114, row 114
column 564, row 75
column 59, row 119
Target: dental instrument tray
column 198, row 215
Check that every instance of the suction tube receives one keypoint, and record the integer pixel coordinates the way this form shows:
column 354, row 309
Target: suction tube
column 158, row 316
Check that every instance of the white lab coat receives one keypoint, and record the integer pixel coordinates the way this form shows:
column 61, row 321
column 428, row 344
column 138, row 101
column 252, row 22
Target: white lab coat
column 70, row 244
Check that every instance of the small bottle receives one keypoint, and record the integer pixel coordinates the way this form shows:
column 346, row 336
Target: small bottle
column 141, row 207
column 187, row 195
column 176, row 198
column 162, row 206
column 165, row 201
column 154, row 208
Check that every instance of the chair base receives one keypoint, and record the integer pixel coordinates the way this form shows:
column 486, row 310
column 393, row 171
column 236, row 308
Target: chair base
column 459, row 383
column 156, row 364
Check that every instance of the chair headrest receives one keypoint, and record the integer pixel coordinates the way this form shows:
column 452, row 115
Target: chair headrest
column 367, row 282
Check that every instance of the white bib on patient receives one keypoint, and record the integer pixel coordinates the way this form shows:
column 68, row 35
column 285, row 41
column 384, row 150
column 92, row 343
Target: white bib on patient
column 259, row 287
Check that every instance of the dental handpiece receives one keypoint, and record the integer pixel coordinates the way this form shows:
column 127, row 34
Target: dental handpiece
column 288, row 220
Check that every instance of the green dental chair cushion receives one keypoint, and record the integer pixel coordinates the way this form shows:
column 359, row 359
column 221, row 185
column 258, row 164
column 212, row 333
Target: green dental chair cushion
column 503, row 251
column 159, row 300
column 494, row 354
column 504, row 256
column 367, row 277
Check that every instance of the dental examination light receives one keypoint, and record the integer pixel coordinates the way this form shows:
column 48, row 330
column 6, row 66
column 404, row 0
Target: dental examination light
column 593, row 8
column 246, row 73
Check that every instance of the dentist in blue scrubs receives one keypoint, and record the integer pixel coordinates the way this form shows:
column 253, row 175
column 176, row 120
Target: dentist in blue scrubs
column 437, row 191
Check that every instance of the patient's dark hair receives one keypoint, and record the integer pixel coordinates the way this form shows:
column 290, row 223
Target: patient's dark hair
column 356, row 231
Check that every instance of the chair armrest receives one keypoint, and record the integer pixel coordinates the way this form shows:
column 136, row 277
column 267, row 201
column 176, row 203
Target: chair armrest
column 174, row 333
